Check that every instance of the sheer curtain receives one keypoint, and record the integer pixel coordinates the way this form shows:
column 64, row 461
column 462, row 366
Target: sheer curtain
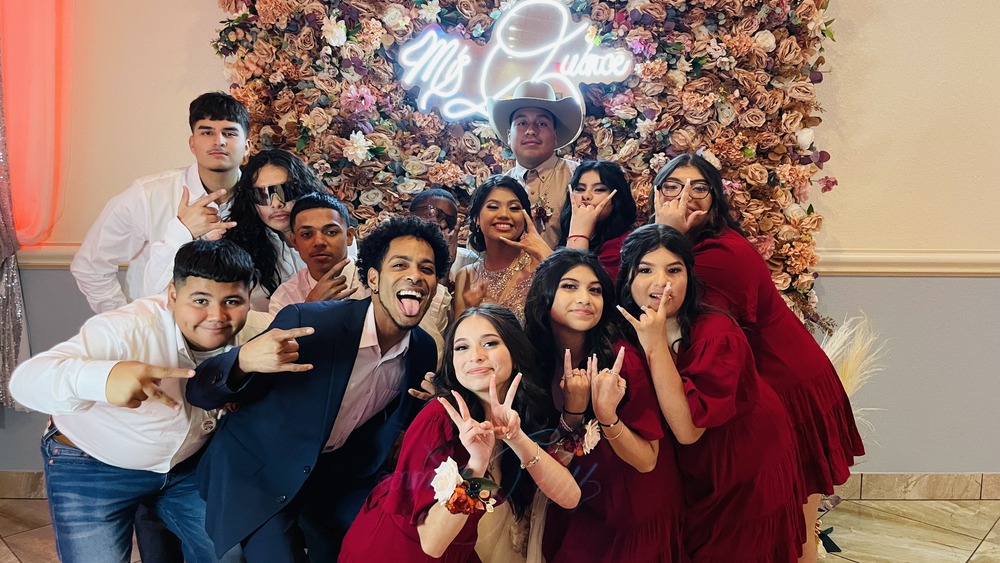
column 12, row 328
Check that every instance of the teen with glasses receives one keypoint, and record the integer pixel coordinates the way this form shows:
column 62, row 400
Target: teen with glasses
column 272, row 181
column 738, row 281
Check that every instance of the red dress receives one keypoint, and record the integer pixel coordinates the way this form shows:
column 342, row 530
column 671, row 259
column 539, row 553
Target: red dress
column 738, row 281
column 609, row 254
column 623, row 515
column 742, row 480
column 386, row 528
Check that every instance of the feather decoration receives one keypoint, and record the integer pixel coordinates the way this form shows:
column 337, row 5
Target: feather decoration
column 855, row 351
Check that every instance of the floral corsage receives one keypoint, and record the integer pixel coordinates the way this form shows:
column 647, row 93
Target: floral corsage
column 459, row 493
column 578, row 442
column 542, row 212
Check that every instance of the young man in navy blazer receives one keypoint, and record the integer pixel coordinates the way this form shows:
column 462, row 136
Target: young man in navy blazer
column 322, row 397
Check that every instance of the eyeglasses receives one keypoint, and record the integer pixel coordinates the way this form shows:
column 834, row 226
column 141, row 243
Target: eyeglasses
column 434, row 214
column 673, row 188
column 289, row 191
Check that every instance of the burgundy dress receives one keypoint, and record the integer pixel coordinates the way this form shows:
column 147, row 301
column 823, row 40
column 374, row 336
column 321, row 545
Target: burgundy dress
column 738, row 281
column 742, row 479
column 623, row 515
column 386, row 528
column 609, row 254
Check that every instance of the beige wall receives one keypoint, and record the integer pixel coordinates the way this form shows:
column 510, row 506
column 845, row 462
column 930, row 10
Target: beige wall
column 911, row 124
column 911, row 115
column 135, row 67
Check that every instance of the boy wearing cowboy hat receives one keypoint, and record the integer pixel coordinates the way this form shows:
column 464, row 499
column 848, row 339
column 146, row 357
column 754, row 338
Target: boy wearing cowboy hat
column 534, row 123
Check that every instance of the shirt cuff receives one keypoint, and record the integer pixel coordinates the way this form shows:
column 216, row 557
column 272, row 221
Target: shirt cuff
column 92, row 380
column 176, row 233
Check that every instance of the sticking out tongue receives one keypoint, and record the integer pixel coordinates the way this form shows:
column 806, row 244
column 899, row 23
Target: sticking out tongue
column 410, row 306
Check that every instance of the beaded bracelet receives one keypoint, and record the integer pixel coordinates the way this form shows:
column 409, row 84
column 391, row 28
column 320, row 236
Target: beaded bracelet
column 534, row 460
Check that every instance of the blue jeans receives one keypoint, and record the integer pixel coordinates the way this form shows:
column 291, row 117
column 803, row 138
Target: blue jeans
column 93, row 506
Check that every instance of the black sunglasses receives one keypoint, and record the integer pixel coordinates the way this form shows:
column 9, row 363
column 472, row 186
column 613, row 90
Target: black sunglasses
column 289, row 191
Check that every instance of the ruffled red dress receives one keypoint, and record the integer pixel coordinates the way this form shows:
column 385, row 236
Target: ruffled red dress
column 742, row 480
column 623, row 515
column 386, row 527
column 609, row 254
column 737, row 280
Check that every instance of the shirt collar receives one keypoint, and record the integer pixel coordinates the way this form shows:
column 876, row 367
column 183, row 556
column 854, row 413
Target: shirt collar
column 369, row 336
column 541, row 168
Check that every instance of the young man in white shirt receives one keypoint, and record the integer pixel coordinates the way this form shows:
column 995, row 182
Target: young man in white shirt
column 121, row 433
column 146, row 224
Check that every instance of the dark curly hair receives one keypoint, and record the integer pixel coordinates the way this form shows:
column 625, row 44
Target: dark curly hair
column 476, row 240
column 720, row 215
column 373, row 247
column 641, row 242
column 532, row 401
column 623, row 210
column 538, row 319
column 250, row 231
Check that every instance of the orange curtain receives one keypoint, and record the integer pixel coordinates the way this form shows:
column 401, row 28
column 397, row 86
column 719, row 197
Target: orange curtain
column 33, row 46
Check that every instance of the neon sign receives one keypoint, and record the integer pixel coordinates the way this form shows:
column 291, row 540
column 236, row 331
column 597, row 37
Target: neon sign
column 534, row 40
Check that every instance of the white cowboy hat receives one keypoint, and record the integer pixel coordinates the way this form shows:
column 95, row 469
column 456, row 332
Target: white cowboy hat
column 529, row 94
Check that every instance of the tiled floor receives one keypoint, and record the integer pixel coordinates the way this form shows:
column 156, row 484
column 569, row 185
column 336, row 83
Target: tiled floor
column 915, row 531
column 868, row 531
column 26, row 532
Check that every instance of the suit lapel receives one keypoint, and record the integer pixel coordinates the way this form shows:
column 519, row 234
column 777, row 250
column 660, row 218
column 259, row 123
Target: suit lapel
column 344, row 342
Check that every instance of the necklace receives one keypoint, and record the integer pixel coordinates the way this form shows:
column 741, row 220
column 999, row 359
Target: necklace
column 497, row 280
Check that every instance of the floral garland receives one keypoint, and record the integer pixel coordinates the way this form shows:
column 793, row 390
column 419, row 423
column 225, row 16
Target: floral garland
column 733, row 78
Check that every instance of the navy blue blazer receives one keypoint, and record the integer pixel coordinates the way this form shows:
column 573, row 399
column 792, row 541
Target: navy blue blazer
column 262, row 453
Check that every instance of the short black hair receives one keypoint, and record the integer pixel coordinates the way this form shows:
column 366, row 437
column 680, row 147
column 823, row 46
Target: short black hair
column 222, row 261
column 219, row 106
column 375, row 245
column 319, row 200
column 434, row 193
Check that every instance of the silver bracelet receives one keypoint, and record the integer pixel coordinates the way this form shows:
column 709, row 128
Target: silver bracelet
column 534, row 460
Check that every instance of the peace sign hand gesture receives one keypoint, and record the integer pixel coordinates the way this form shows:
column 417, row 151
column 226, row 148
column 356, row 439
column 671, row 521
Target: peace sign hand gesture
column 506, row 421
column 608, row 389
column 531, row 242
column 674, row 212
column 575, row 384
column 477, row 437
column 585, row 216
column 651, row 326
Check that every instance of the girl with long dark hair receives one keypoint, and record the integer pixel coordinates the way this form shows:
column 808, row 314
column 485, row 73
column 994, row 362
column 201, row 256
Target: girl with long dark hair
column 742, row 479
column 271, row 182
column 632, row 501
column 738, row 281
column 482, row 423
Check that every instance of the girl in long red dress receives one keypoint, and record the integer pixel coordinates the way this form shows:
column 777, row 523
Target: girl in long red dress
column 632, row 497
column 742, row 480
column 402, row 520
column 599, row 212
column 738, row 281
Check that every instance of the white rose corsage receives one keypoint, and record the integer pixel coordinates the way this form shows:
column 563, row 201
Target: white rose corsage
column 459, row 493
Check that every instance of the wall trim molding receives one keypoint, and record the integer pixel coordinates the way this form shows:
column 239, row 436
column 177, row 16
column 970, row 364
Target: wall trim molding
column 832, row 262
column 908, row 263
column 55, row 256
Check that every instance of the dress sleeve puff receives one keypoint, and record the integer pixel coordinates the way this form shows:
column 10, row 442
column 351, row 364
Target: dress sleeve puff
column 639, row 409
column 425, row 445
column 711, row 369
column 729, row 268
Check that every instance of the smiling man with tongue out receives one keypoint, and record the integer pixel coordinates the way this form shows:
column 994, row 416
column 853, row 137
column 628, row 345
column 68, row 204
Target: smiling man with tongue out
column 322, row 398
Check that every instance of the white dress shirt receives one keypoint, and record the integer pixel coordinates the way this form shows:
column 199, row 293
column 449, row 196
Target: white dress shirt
column 69, row 383
column 138, row 226
column 374, row 382
column 298, row 287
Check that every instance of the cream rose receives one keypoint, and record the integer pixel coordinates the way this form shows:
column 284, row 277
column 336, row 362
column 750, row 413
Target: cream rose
column 765, row 39
column 371, row 197
column 410, row 186
column 446, row 478
column 755, row 174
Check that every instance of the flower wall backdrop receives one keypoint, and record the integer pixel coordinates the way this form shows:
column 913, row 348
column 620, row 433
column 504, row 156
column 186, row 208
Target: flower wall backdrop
column 733, row 78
